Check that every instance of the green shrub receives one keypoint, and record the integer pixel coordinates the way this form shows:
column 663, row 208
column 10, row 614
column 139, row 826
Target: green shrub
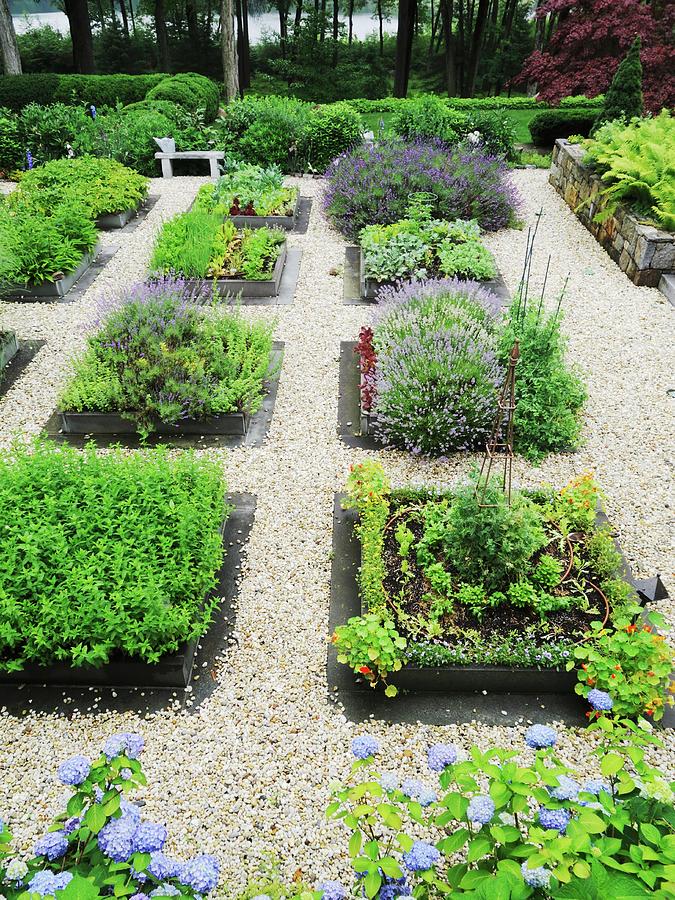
column 49, row 131
column 329, row 131
column 44, row 49
column 37, row 246
column 11, row 150
column 550, row 395
column 547, row 127
column 428, row 116
column 157, row 356
column 105, row 571
column 497, row 132
column 101, row 185
column 636, row 163
column 17, row 91
column 194, row 92
column 128, row 137
column 263, row 130
column 624, row 99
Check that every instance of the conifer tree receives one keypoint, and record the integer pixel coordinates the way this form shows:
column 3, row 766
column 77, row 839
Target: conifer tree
column 624, row 96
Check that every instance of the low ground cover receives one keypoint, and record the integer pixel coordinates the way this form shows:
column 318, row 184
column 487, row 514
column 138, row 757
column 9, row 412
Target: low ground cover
column 425, row 248
column 101, row 185
column 248, row 190
column 157, row 356
column 433, row 364
column 374, row 185
column 37, row 246
column 473, row 575
column 198, row 244
column 105, row 556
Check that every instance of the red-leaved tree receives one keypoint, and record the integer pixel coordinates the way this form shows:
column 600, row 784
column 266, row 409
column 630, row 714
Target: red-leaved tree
column 589, row 38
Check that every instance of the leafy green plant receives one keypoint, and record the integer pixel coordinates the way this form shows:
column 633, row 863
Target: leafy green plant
column 48, row 131
column 635, row 162
column 470, row 259
column 372, row 647
column 329, row 131
column 39, row 247
column 495, row 130
column 194, row 92
column 158, row 357
column 101, row 185
column 538, row 160
column 631, row 663
column 102, row 555
column 198, row 244
column 500, row 826
column 247, row 189
column 428, row 116
column 11, row 153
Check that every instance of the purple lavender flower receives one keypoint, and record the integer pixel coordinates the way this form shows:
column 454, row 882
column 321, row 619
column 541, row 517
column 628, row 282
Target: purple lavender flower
column 29, row 159
column 441, row 755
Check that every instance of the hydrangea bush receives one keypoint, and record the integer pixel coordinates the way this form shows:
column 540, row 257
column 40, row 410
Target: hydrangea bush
column 510, row 826
column 100, row 846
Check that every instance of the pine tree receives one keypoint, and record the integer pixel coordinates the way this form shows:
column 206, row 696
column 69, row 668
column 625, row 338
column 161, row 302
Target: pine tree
column 624, row 97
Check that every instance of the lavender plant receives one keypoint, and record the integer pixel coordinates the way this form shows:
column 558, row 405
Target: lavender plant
column 437, row 372
column 100, row 846
column 373, row 185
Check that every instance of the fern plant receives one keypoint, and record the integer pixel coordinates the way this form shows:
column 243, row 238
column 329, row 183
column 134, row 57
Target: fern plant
column 637, row 163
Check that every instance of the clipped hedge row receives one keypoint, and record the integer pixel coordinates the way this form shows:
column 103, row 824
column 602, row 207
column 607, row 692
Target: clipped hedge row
column 17, row 91
column 546, row 127
column 394, row 104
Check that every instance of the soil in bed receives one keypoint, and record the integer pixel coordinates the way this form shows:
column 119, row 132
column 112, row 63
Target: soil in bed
column 411, row 603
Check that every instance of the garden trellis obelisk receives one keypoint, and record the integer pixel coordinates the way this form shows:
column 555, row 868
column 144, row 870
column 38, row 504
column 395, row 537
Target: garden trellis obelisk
column 500, row 444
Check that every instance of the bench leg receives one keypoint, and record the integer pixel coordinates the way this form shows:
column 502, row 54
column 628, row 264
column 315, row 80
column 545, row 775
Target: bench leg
column 213, row 165
column 167, row 168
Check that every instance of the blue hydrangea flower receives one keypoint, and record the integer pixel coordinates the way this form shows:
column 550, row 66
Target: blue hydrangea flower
column 332, row 890
column 481, row 809
column 567, row 789
column 52, row 845
column 149, row 837
column 412, row 787
column 600, row 700
column 364, row 746
column 261, row 897
column 595, row 785
column 139, row 877
column 163, row 867
column 126, row 774
column 441, row 755
column 389, row 781
column 127, row 743
column 74, row 770
column 426, row 797
column 98, row 794
column 130, row 810
column 165, row 890
column 46, row 883
column 393, row 887
column 116, row 838
column 554, row 818
column 200, row 873
column 536, row 878
column 138, row 897
column 72, row 824
column 540, row 736
column 421, row 856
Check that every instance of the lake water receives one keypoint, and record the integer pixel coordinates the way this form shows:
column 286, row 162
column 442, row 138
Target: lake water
column 364, row 24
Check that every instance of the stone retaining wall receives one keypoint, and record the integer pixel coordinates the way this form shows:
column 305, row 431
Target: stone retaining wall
column 643, row 252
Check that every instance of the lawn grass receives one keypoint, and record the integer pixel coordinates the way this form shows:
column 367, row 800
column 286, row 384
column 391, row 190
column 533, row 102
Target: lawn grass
column 520, row 118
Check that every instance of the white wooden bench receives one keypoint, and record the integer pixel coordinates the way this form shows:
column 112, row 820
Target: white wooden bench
column 168, row 153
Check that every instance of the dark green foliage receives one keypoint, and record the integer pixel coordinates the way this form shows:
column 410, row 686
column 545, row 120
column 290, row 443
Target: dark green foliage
column 37, row 246
column 158, row 357
column 11, row 152
column 489, row 545
column 127, row 136
column 47, row 131
column 428, row 116
column 549, row 394
column 624, row 99
column 547, row 127
column 101, row 555
column 17, row 91
column 194, row 92
column 44, row 49
column 329, row 131
column 497, row 132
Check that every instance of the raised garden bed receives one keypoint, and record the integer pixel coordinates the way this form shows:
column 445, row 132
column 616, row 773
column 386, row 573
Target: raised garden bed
column 9, row 347
column 51, row 290
column 113, row 221
column 643, row 252
column 246, row 288
column 285, row 222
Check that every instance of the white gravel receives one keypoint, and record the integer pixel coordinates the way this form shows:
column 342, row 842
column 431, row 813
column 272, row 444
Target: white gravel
column 247, row 773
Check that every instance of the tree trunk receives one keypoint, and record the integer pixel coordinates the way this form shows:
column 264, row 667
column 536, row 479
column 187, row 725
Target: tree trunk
column 9, row 49
column 336, row 24
column 298, row 18
column 379, row 17
column 476, row 44
column 132, row 16
column 228, row 45
column 125, row 18
column 539, row 40
column 404, row 39
column 80, row 35
column 350, row 14
column 162, row 36
column 246, row 48
column 322, row 36
column 113, row 15
column 192, row 24
column 450, row 63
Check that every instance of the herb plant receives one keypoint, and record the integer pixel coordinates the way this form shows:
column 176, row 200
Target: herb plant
column 198, row 244
column 100, row 185
column 245, row 189
column 157, row 356
column 100, row 846
column 105, row 555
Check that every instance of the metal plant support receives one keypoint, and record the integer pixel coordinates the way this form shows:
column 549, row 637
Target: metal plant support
column 500, row 444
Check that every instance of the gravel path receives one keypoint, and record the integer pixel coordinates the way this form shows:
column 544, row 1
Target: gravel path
column 246, row 774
